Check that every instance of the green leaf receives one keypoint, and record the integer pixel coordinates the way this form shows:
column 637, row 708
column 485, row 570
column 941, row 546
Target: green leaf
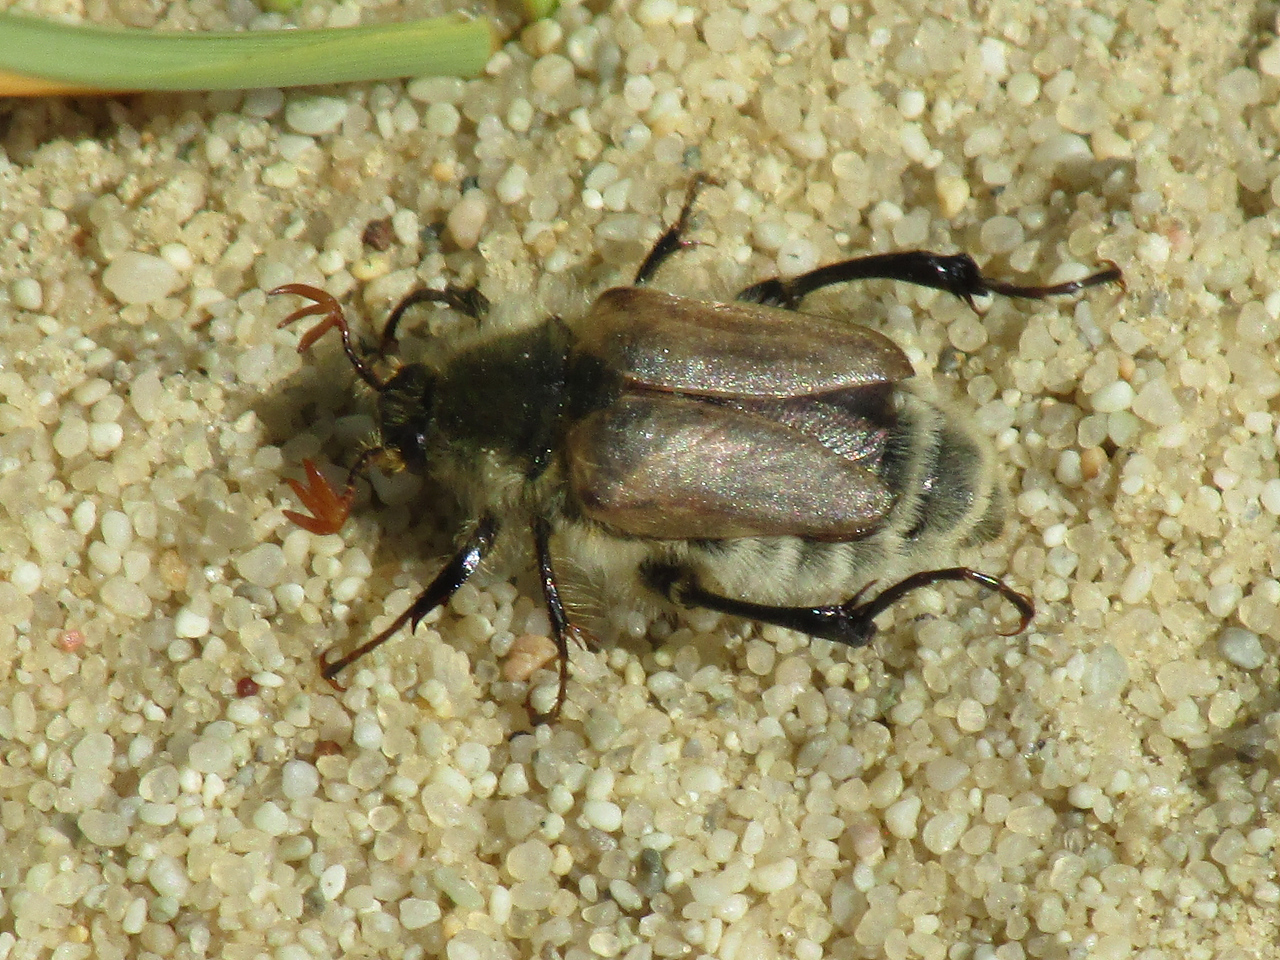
column 109, row 59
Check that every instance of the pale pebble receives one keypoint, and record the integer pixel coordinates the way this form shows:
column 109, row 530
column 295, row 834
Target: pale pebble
column 190, row 625
column 333, row 880
column 603, row 815
column 299, row 779
column 416, row 914
column 315, row 116
column 93, row 752
column 210, row 755
column 27, row 293
column 776, row 876
column 270, row 819
column 263, row 565
column 1242, row 647
column 103, row 829
column 140, row 278
column 168, row 877
column 466, row 220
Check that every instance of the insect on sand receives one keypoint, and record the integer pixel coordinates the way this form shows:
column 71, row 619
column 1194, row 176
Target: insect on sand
column 746, row 457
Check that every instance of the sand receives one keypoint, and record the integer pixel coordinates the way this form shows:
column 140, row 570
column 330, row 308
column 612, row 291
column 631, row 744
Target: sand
column 177, row 780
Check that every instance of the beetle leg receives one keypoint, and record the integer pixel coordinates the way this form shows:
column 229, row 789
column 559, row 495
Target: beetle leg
column 468, row 301
column 561, row 628
column 869, row 610
column 956, row 274
column 672, row 238
column 446, row 583
column 851, row 622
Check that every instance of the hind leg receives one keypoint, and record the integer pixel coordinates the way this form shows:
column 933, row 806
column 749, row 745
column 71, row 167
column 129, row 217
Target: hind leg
column 851, row 622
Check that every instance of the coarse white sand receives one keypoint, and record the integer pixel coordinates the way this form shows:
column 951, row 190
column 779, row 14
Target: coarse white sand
column 177, row 781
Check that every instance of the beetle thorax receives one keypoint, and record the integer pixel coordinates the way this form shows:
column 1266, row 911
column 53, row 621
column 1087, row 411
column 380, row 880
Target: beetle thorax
column 483, row 423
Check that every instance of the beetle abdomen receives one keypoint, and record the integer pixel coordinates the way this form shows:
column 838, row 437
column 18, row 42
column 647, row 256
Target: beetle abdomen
column 949, row 476
column 939, row 478
column 943, row 482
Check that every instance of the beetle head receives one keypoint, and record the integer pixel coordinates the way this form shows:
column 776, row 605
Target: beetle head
column 404, row 412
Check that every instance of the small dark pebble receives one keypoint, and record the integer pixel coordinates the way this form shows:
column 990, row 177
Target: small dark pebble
column 313, row 901
column 651, row 873
column 247, row 687
column 379, row 234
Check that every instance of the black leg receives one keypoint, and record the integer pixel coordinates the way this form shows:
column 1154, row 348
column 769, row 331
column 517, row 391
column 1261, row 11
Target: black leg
column 672, row 238
column 561, row 628
column 447, row 581
column 851, row 622
column 956, row 274
column 466, row 300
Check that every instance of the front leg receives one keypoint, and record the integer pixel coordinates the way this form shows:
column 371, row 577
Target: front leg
column 446, row 583
column 468, row 301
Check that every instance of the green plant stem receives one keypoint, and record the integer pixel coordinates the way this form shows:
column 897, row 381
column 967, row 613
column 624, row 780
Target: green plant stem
column 99, row 58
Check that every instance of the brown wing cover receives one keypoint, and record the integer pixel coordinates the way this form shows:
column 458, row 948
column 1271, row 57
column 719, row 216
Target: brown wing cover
column 733, row 420
column 670, row 467
column 664, row 342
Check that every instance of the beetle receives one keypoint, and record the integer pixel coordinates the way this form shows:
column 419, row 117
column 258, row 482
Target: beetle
column 746, row 457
